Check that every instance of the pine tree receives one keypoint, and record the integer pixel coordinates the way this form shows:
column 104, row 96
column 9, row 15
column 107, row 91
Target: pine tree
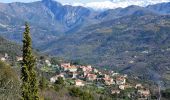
column 28, row 73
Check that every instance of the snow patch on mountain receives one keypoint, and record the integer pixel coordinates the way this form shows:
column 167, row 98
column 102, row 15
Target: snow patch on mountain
column 112, row 4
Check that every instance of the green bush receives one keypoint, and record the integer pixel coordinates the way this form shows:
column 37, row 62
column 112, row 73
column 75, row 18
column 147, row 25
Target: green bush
column 60, row 81
column 83, row 95
column 59, row 84
column 75, row 92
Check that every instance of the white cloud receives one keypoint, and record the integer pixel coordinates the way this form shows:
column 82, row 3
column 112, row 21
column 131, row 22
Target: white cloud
column 112, row 4
column 78, row 4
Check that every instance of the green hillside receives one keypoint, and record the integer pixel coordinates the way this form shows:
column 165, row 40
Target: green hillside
column 11, row 48
column 138, row 45
column 9, row 83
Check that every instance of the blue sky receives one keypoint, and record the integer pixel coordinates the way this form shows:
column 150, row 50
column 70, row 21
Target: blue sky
column 8, row 1
column 72, row 1
column 63, row 1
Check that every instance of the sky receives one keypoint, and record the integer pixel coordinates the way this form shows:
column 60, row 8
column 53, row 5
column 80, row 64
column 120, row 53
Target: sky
column 62, row 1
column 100, row 4
column 84, row 1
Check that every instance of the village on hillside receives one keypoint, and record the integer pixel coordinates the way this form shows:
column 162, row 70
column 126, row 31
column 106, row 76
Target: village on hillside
column 81, row 76
column 84, row 75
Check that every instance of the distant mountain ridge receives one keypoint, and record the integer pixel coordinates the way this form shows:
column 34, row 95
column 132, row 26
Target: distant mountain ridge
column 44, row 16
column 56, row 19
column 163, row 8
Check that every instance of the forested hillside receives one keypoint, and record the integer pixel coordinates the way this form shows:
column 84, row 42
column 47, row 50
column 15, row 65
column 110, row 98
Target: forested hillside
column 10, row 48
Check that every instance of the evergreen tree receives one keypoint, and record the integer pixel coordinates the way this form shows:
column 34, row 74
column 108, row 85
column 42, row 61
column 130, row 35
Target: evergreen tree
column 28, row 74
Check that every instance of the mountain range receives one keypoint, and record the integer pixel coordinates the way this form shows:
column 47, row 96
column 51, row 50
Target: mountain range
column 48, row 16
column 133, row 40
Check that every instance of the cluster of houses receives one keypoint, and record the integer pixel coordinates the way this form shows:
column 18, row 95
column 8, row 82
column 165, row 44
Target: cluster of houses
column 84, row 75
column 142, row 92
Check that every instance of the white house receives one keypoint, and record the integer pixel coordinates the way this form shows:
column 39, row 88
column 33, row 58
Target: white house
column 3, row 59
column 6, row 55
column 138, row 86
column 115, row 74
column 48, row 62
column 54, row 78
column 95, row 70
column 122, row 87
column 79, row 83
column 72, row 69
column 144, row 93
column 131, row 62
column 115, row 91
column 19, row 58
column 120, row 80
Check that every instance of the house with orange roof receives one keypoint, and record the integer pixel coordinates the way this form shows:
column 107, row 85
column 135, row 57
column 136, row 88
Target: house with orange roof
column 86, row 68
column 72, row 69
column 108, row 81
column 91, row 77
column 65, row 66
column 83, row 68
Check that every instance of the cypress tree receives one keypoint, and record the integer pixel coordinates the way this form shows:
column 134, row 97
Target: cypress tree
column 28, row 73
